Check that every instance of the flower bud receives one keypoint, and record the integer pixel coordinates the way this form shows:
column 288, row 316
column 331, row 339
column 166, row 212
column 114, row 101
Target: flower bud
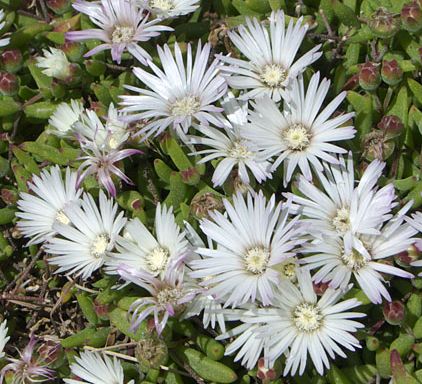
column 391, row 73
column 394, row 312
column 369, row 76
column 411, row 17
column 372, row 343
column 59, row 7
column 11, row 60
column 390, row 124
column 383, row 24
column 405, row 258
column 74, row 51
column 264, row 373
column 9, row 84
column 9, row 196
column 320, row 288
column 377, row 146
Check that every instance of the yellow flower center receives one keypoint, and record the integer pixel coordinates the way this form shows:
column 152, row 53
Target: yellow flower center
column 62, row 218
column 354, row 260
column 186, row 106
column 99, row 245
column 341, row 221
column 239, row 150
column 256, row 259
column 307, row 317
column 163, row 5
column 122, row 34
column 296, row 137
column 273, row 75
column 157, row 259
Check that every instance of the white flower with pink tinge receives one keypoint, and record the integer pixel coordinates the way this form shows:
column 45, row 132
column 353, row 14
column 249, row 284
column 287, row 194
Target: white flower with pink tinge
column 122, row 25
column 164, row 9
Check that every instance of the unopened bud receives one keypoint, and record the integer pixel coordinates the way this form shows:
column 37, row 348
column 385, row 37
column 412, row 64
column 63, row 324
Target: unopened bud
column 394, row 312
column 376, row 146
column 411, row 17
column 369, row 76
column 11, row 60
column 9, row 84
column 320, row 288
column 59, row 7
column 391, row 124
column 391, row 72
column 264, row 373
column 407, row 257
column 372, row 343
column 9, row 196
column 74, row 51
column 383, row 23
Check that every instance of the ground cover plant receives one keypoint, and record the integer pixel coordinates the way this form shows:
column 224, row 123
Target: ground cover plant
column 222, row 191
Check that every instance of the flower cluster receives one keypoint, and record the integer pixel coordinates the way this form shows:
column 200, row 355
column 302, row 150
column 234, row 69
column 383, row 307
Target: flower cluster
column 250, row 268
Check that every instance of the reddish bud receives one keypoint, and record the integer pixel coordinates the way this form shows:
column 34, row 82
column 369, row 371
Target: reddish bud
column 411, row 17
column 405, row 258
column 390, row 123
column 383, row 23
column 9, row 84
column 320, row 288
column 101, row 309
column 391, row 72
column 264, row 373
column 73, row 51
column 204, row 203
column 11, row 60
column 59, row 6
column 369, row 76
column 352, row 83
column 394, row 312
column 9, row 196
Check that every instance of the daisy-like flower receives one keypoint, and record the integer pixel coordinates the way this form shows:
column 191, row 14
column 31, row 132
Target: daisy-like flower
column 107, row 137
column 178, row 94
column 65, row 116
column 30, row 367
column 82, row 247
column 54, row 64
column 252, row 241
column 94, row 368
column 364, row 257
column 141, row 250
column 102, row 164
column 341, row 208
column 270, row 64
column 3, row 337
column 122, row 25
column 164, row 9
column 4, row 41
column 168, row 296
column 231, row 147
column 39, row 212
column 301, row 325
column 300, row 135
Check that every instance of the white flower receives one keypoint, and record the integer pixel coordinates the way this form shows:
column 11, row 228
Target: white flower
column 170, row 8
column 55, row 64
column 39, row 212
column 3, row 337
column 82, row 247
column 363, row 257
column 248, row 339
column 65, row 116
column 94, row 368
column 158, row 254
column 300, row 135
column 252, row 241
column 5, row 41
column 107, row 137
column 231, row 147
column 122, row 25
column 177, row 94
column 342, row 208
column 270, row 64
column 300, row 324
